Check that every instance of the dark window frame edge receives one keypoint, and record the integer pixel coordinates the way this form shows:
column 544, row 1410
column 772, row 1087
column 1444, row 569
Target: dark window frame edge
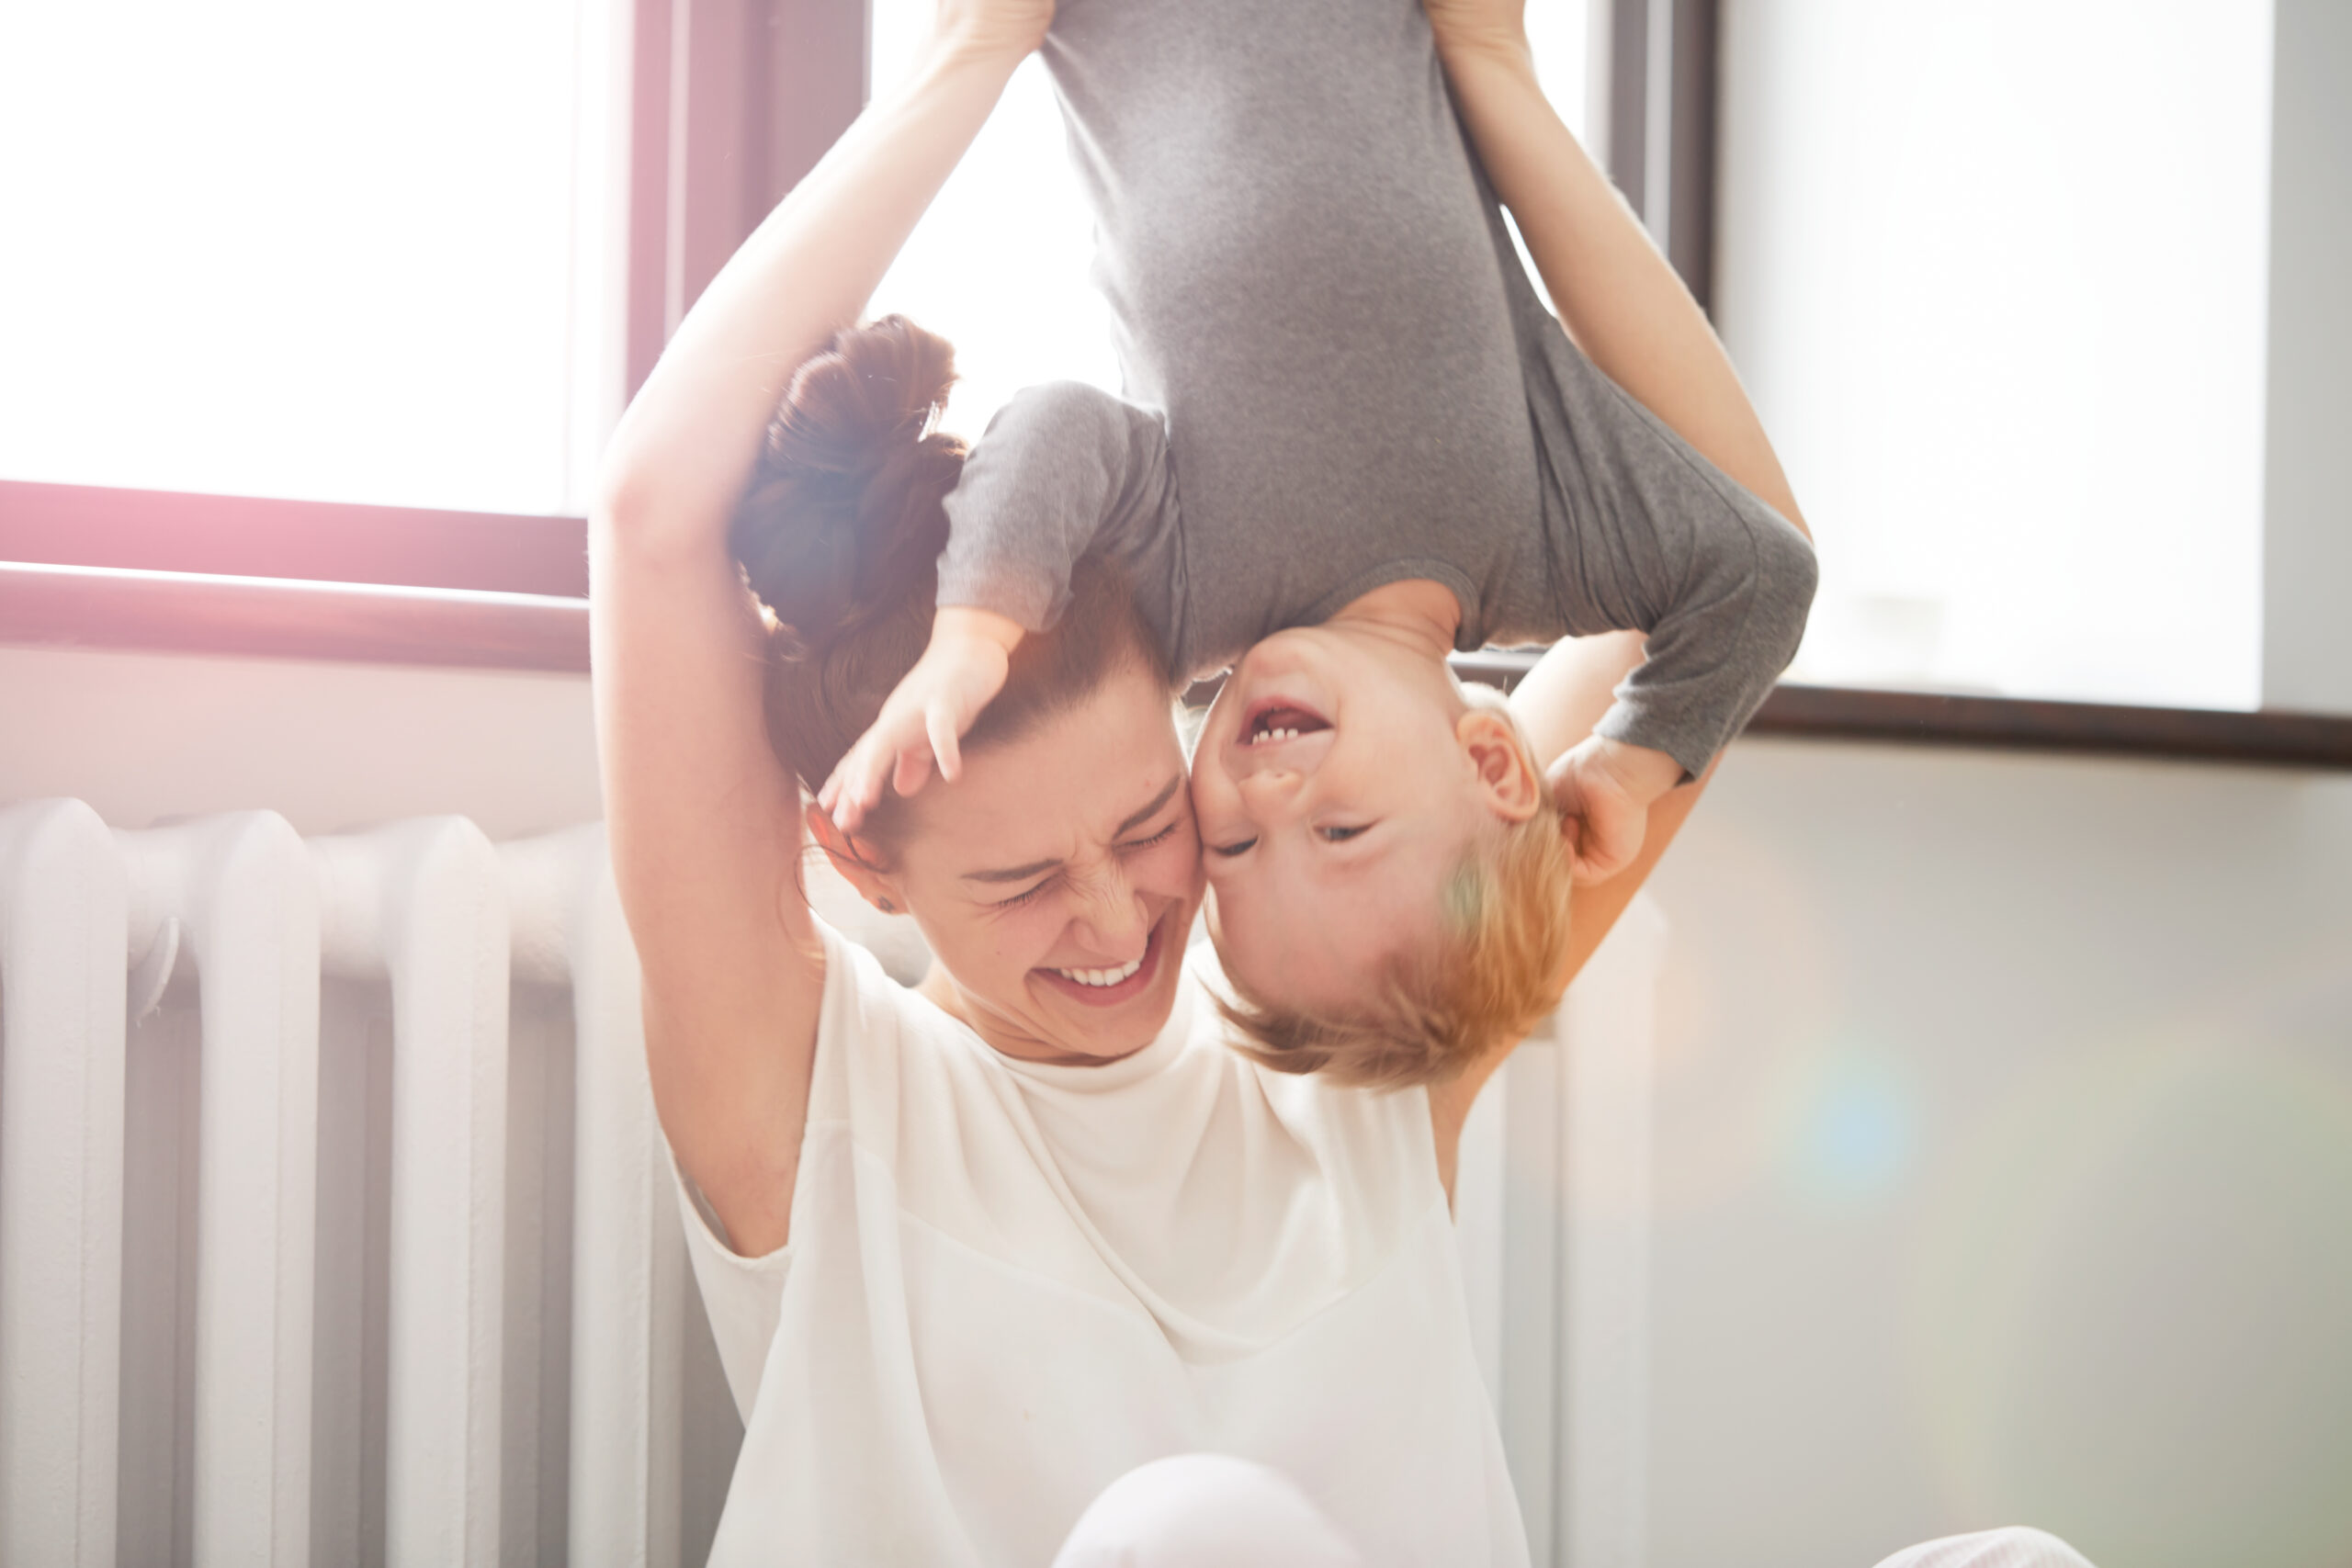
column 156, row 611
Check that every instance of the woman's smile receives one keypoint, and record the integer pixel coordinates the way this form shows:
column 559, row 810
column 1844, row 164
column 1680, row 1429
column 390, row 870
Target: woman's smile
column 1112, row 984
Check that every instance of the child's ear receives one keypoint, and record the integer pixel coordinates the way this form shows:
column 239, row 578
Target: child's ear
column 854, row 858
column 1508, row 780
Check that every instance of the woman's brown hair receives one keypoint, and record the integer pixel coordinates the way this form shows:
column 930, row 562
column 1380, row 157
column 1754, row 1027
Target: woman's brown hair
column 839, row 535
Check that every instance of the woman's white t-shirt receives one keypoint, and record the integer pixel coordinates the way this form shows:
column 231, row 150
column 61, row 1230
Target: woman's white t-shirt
column 1009, row 1283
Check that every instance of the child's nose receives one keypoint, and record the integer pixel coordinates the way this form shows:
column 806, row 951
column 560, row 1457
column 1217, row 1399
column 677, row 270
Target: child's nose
column 1270, row 793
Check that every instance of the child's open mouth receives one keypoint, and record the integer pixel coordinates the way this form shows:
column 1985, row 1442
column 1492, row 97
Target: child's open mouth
column 1275, row 719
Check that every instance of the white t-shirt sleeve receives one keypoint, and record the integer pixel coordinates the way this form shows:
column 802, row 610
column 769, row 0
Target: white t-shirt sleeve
column 743, row 1296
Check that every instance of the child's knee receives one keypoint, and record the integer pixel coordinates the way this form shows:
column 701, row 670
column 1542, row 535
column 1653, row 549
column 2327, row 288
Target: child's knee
column 2016, row 1546
column 1205, row 1509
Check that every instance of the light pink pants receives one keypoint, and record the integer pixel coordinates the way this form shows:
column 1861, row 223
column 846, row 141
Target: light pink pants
column 1215, row 1511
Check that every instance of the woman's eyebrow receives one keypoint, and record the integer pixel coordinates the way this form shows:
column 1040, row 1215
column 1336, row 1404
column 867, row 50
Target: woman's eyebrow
column 1011, row 872
column 1024, row 872
column 1166, row 792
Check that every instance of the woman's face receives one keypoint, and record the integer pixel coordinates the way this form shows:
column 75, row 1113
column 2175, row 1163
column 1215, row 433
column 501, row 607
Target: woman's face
column 1056, row 881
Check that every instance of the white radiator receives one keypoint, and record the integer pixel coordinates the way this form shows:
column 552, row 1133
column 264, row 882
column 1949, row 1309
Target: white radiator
column 335, row 1225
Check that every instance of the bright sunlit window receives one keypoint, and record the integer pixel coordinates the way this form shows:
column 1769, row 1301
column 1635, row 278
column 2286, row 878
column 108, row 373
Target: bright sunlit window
column 1995, row 275
column 310, row 248
column 1001, row 264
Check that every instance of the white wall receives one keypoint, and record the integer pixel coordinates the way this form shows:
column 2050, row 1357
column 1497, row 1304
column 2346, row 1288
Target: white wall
column 2004, row 1103
column 145, row 736
column 2003, row 1156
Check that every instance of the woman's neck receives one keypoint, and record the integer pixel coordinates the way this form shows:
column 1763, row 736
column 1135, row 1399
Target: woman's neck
column 940, row 990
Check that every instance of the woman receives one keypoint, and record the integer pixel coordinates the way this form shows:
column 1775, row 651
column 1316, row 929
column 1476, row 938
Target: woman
column 985, row 1249
column 1011, row 1278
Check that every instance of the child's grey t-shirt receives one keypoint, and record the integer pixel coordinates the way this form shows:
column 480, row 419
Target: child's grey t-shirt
column 1338, row 376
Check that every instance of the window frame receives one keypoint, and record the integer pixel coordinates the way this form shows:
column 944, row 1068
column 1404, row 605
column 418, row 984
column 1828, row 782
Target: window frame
column 730, row 103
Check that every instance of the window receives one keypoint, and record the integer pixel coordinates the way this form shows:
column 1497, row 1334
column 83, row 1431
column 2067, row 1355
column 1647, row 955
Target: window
column 998, row 265
column 1995, row 275
column 313, row 249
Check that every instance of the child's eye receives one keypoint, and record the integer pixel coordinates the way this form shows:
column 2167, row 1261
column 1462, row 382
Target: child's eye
column 1229, row 850
column 1341, row 835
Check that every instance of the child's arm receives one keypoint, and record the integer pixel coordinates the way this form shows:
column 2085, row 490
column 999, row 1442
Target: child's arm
column 704, row 822
column 1625, row 307
column 1556, row 706
column 1065, row 469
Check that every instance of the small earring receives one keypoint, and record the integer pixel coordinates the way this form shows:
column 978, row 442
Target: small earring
column 887, row 908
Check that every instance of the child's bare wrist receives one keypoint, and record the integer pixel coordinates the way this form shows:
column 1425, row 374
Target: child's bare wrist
column 968, row 622
column 1644, row 772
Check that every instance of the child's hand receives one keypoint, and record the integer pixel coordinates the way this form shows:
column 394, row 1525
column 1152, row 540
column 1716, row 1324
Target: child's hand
column 1603, row 789
column 925, row 715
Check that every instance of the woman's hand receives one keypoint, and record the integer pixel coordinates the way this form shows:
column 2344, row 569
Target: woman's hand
column 926, row 713
column 1014, row 28
column 1603, row 789
column 1485, row 27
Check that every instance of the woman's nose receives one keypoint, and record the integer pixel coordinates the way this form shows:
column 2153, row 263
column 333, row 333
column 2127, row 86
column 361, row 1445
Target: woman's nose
column 1109, row 911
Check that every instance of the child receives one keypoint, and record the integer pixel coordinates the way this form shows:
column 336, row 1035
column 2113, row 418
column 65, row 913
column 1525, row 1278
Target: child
column 1353, row 440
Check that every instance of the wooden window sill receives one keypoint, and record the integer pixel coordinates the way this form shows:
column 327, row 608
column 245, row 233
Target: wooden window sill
column 276, row 617
column 273, row 617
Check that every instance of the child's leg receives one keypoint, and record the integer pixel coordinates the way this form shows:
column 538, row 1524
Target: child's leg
column 2012, row 1548
column 1204, row 1511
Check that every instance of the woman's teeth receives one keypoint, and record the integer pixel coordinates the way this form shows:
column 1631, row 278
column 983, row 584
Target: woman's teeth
column 1102, row 977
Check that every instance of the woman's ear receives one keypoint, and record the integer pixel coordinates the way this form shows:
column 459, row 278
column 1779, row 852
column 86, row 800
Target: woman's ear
column 1507, row 776
column 854, row 858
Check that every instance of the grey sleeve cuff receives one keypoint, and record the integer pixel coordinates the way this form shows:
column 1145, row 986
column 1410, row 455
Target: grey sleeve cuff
column 1038, row 491
column 1712, row 658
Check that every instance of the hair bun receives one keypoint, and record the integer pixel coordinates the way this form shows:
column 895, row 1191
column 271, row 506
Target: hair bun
column 844, row 519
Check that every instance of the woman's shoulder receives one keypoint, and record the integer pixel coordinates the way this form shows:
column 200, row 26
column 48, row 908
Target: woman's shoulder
column 879, row 1038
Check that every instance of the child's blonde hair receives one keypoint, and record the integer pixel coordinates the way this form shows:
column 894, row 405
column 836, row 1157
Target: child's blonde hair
column 1493, row 973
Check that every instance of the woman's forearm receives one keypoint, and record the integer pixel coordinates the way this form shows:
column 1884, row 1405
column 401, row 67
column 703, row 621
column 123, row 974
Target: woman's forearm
column 1558, row 703
column 688, row 444
column 1618, row 298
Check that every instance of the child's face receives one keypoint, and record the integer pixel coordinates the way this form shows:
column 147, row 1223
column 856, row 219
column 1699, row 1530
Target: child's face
column 1327, row 850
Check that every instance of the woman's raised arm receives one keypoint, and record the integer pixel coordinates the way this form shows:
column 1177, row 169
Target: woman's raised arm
column 1617, row 296
column 1557, row 706
column 704, row 822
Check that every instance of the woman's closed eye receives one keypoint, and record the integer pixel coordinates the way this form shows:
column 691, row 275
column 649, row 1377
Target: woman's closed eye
column 1156, row 838
column 1128, row 847
column 1020, row 899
